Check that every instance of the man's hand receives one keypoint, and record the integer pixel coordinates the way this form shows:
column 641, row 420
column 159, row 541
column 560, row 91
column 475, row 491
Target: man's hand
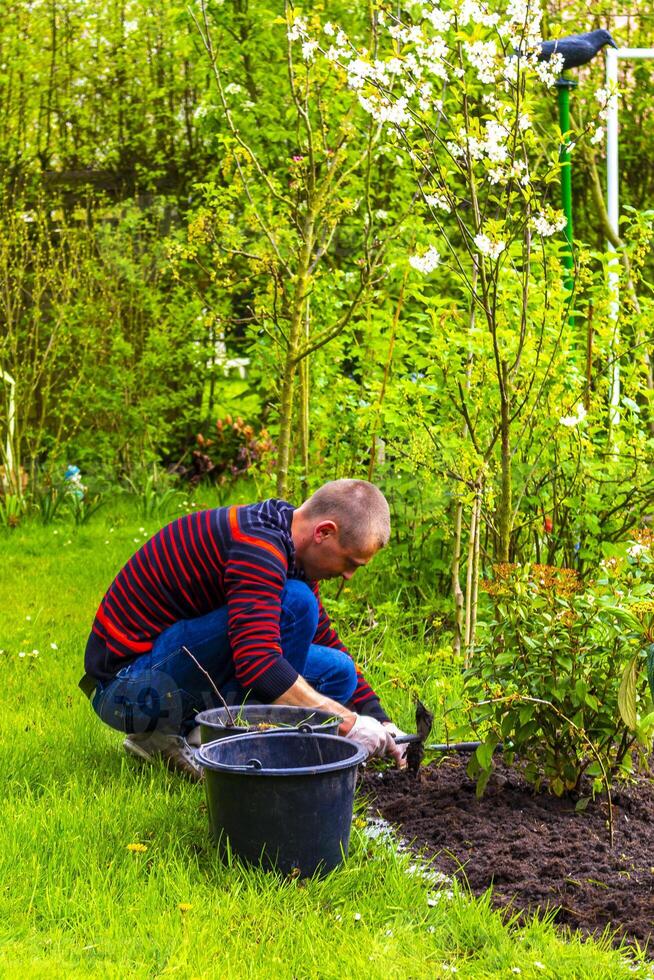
column 400, row 750
column 374, row 737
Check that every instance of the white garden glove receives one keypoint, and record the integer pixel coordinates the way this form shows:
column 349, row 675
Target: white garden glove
column 400, row 757
column 373, row 737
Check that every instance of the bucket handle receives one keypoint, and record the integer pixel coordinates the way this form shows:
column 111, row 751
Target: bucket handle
column 252, row 765
column 304, row 729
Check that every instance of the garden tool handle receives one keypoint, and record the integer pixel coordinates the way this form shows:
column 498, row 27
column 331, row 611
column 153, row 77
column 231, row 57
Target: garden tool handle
column 445, row 746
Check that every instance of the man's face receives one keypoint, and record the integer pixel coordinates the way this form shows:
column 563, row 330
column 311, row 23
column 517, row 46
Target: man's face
column 326, row 556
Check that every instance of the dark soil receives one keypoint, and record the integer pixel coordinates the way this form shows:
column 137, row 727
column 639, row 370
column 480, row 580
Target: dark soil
column 535, row 850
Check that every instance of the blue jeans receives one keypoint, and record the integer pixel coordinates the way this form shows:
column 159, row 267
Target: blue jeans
column 164, row 689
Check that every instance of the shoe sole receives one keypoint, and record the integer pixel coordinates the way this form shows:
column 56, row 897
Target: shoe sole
column 133, row 749
column 137, row 752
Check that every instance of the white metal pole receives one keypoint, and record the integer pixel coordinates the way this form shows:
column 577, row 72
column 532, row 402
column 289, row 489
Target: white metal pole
column 613, row 208
column 11, row 428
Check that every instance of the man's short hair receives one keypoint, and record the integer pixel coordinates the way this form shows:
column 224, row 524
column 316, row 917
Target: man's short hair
column 358, row 508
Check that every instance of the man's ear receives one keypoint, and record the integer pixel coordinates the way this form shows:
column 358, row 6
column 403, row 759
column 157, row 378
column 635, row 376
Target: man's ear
column 325, row 529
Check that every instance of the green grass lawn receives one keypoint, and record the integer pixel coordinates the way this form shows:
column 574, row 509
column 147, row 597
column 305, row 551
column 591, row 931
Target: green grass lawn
column 77, row 902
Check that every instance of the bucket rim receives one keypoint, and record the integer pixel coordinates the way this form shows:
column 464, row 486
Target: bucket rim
column 359, row 756
column 322, row 717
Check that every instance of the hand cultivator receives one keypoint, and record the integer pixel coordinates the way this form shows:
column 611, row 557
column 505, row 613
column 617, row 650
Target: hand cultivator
column 417, row 743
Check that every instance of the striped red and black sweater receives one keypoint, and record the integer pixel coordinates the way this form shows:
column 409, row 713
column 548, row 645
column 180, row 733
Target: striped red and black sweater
column 239, row 556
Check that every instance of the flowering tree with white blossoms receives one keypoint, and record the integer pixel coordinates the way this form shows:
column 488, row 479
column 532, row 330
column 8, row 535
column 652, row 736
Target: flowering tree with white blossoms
column 457, row 87
column 291, row 221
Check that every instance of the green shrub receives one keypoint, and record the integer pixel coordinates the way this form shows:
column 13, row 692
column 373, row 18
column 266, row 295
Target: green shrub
column 558, row 677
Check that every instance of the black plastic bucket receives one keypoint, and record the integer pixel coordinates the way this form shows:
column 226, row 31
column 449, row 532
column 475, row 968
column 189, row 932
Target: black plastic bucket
column 282, row 799
column 213, row 723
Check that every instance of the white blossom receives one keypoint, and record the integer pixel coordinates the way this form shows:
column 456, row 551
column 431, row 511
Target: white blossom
column 597, row 136
column 440, row 20
column 308, row 49
column 329, row 29
column 495, row 142
column 297, row 30
column 470, row 10
column 357, row 72
column 549, row 71
column 548, row 224
column 570, row 421
column 384, row 111
column 482, row 55
column 438, row 201
column 426, row 262
column 335, row 53
column 487, row 246
column 607, row 100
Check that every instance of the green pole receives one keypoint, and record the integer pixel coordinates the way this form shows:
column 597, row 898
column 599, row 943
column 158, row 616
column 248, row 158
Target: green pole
column 564, row 85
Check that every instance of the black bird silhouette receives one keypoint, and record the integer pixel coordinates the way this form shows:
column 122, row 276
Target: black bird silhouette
column 577, row 49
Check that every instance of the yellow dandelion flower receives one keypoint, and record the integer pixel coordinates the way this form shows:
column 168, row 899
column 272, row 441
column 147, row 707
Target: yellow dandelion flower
column 184, row 907
column 137, row 848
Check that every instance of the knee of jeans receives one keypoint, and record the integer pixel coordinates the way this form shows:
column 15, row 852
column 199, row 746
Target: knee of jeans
column 301, row 603
column 349, row 676
column 340, row 680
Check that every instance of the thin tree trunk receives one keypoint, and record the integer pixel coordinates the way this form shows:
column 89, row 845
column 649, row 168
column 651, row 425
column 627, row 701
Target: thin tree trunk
column 295, row 332
column 387, row 369
column 304, row 378
column 589, row 356
column 456, row 585
column 475, row 578
column 469, row 587
column 505, row 507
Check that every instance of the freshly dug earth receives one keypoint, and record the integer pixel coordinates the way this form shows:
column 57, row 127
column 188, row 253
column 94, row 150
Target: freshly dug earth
column 535, row 850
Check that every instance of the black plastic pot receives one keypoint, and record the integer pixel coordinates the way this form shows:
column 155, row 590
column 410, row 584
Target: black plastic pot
column 282, row 800
column 213, row 723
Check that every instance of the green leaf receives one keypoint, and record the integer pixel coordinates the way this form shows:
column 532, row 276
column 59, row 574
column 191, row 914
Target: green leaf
column 627, row 695
column 557, row 786
column 650, row 668
column 482, row 782
column 647, row 721
column 484, row 752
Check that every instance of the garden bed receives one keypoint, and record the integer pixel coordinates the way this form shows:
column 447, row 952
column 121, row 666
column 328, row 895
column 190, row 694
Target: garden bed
column 535, row 850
